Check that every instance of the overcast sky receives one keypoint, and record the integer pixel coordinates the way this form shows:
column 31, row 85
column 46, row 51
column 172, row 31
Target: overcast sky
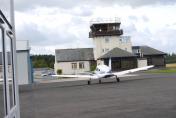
column 51, row 24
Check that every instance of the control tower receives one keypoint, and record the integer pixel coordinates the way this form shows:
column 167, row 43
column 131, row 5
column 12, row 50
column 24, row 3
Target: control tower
column 106, row 35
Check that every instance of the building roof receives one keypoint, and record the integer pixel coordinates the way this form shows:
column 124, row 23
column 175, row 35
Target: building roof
column 117, row 53
column 78, row 54
column 146, row 50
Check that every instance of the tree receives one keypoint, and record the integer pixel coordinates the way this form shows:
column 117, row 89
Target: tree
column 59, row 71
column 171, row 58
column 43, row 61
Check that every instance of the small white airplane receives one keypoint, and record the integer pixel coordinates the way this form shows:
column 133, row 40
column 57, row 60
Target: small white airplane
column 103, row 71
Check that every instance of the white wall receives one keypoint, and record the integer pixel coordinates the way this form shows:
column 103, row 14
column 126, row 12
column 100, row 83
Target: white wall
column 22, row 68
column 100, row 62
column 23, row 62
column 141, row 62
column 114, row 41
column 66, row 67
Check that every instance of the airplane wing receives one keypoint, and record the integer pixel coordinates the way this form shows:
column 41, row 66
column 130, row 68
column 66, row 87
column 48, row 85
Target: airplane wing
column 76, row 76
column 132, row 70
column 94, row 76
column 128, row 75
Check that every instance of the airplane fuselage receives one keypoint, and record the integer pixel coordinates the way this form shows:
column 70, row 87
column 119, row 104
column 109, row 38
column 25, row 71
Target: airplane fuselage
column 102, row 69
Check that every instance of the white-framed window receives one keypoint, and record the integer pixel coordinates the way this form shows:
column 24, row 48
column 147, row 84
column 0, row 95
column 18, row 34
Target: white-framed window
column 138, row 50
column 106, row 39
column 81, row 65
column 114, row 27
column 74, row 66
column 107, row 49
column 120, row 39
column 124, row 39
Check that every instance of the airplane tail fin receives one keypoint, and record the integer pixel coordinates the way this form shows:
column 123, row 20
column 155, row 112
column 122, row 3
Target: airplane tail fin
column 110, row 63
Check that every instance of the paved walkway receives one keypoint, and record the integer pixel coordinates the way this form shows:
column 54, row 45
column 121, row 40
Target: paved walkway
column 144, row 96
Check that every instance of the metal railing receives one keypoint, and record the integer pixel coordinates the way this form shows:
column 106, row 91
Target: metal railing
column 105, row 33
column 105, row 20
column 10, row 89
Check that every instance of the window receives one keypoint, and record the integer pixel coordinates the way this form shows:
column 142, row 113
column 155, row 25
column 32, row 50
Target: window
column 124, row 39
column 114, row 27
column 107, row 49
column 106, row 40
column 135, row 51
column 81, row 65
column 74, row 65
column 139, row 51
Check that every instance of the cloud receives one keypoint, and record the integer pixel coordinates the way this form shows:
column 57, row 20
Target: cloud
column 129, row 29
column 145, row 31
column 145, row 19
column 31, row 33
column 69, row 4
column 133, row 18
column 52, row 27
column 66, row 25
column 164, row 39
column 5, row 8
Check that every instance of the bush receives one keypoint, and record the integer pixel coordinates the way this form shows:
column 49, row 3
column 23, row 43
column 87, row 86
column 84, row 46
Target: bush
column 93, row 67
column 59, row 71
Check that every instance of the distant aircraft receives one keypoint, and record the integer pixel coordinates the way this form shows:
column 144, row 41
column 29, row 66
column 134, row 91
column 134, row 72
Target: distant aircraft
column 104, row 71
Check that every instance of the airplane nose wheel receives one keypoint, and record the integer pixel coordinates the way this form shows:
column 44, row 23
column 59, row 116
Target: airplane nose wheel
column 88, row 82
column 118, row 80
column 99, row 81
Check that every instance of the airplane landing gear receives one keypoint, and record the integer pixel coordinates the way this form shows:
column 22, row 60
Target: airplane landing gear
column 99, row 81
column 88, row 82
column 118, row 80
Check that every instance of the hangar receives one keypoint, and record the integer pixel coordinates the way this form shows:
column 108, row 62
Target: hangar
column 121, row 59
column 153, row 56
